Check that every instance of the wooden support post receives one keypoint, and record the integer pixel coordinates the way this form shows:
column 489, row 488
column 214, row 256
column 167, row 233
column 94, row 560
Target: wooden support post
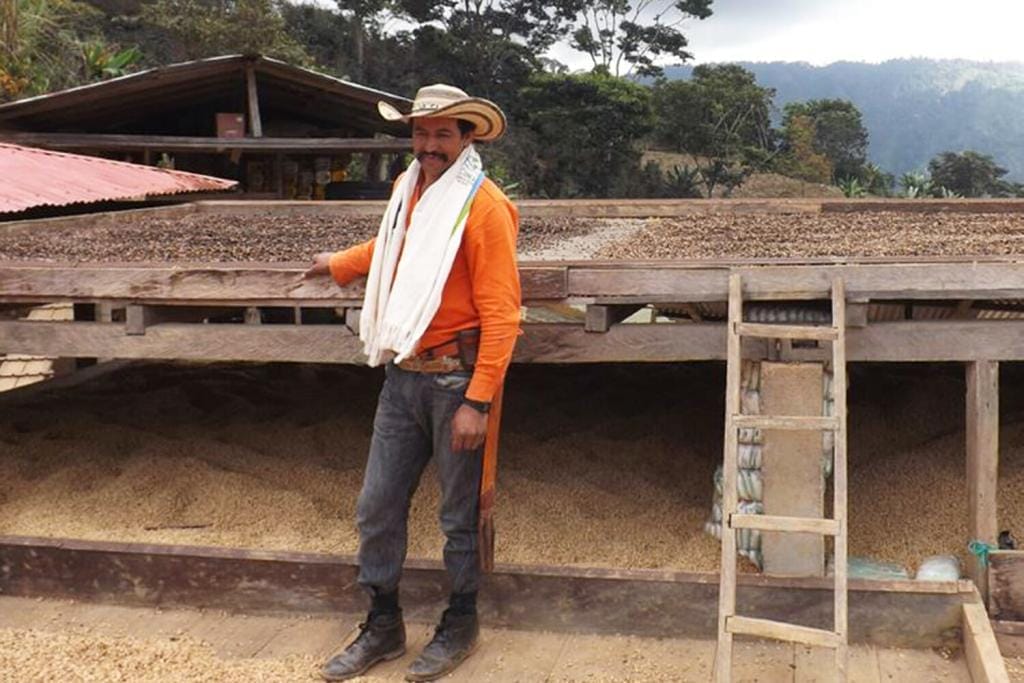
column 84, row 312
column 857, row 313
column 793, row 482
column 253, row 316
column 137, row 318
column 279, row 175
column 255, row 124
column 352, row 319
column 373, row 167
column 600, row 318
column 982, row 460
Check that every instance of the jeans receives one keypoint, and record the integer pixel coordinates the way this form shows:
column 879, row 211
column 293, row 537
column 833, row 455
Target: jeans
column 413, row 423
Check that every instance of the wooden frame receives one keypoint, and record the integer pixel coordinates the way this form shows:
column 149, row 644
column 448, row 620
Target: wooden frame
column 984, row 659
column 562, row 599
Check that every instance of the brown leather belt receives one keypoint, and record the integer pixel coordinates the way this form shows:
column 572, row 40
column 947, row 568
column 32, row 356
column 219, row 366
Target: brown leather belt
column 437, row 365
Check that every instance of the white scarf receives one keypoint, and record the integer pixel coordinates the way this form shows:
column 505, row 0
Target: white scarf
column 410, row 268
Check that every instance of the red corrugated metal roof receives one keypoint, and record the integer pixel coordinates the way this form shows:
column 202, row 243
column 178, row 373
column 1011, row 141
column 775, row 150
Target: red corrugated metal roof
column 32, row 177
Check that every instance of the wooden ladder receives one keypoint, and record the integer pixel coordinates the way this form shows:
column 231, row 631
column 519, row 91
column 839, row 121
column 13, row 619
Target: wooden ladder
column 729, row 623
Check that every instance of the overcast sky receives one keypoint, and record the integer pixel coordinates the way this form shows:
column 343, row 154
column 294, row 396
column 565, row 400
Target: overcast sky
column 826, row 31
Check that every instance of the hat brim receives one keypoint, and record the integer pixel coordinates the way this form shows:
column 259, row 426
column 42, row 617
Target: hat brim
column 488, row 119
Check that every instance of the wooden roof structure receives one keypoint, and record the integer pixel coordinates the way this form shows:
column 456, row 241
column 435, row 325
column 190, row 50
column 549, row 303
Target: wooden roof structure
column 170, row 108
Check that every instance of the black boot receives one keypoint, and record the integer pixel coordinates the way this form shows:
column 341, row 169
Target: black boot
column 454, row 640
column 380, row 639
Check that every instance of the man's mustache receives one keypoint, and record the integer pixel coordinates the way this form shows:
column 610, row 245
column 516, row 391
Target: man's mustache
column 437, row 155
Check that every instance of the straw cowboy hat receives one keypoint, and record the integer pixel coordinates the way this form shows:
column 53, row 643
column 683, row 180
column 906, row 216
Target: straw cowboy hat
column 446, row 100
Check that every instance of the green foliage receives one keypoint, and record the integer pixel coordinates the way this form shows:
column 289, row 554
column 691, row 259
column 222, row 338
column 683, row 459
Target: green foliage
column 209, row 28
column 800, row 159
column 103, row 61
column 720, row 112
column 969, row 174
column 876, row 181
column 916, row 185
column 852, row 188
column 723, row 117
column 43, row 45
column 611, row 33
column 839, row 134
column 578, row 136
column 682, row 182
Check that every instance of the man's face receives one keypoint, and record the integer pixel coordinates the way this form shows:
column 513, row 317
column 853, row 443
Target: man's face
column 437, row 143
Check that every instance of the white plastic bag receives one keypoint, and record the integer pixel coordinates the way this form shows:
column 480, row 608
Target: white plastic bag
column 939, row 568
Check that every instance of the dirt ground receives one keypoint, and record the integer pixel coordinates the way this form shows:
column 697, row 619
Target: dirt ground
column 53, row 640
column 271, row 456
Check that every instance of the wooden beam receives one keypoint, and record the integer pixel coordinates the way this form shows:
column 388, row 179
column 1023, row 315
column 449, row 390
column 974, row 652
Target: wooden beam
column 253, row 100
column 653, row 603
column 541, row 343
column 601, row 318
column 222, row 284
column 982, row 460
column 665, row 283
column 172, row 143
column 984, row 659
column 613, row 284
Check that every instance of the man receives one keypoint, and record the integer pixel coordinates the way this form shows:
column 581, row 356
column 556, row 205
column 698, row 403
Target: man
column 442, row 310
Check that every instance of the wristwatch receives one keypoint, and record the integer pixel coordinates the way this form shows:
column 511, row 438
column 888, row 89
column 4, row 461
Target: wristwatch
column 479, row 406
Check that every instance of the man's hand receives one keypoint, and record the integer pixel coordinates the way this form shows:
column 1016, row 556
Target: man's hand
column 321, row 265
column 469, row 427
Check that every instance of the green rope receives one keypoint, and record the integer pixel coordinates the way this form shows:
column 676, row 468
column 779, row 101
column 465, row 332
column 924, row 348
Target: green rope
column 980, row 549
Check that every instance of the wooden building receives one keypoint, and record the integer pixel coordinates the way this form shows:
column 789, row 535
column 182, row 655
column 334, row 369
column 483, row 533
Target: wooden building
column 282, row 131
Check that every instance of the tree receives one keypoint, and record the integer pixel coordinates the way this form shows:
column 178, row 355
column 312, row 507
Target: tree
column 488, row 47
column 969, row 174
column 618, row 40
column 839, row 134
column 579, row 136
column 49, row 45
column 800, row 159
column 208, row 28
column 722, row 117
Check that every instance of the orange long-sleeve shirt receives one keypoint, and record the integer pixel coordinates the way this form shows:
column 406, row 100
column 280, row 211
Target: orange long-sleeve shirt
column 482, row 288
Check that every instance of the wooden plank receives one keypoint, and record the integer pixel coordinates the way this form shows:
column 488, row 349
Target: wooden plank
column 175, row 143
column 929, row 206
column 827, row 527
column 665, row 283
column 765, row 628
column 601, row 318
column 840, row 597
column 648, row 603
column 793, row 483
column 784, row 422
column 730, row 474
column 982, row 427
column 281, row 284
column 541, row 343
column 242, row 284
column 983, row 657
column 227, row 342
column 253, row 100
column 770, row 331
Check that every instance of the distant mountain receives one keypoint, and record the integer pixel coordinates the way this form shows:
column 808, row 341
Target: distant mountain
column 914, row 108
